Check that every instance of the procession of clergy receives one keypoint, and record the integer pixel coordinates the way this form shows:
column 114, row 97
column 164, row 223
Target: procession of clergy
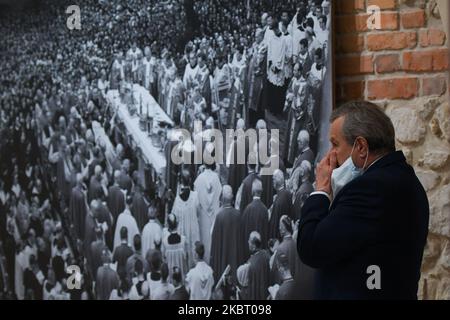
column 213, row 244
column 216, row 231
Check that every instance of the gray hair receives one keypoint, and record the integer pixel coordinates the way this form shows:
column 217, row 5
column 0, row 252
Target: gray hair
column 306, row 166
column 227, row 193
column 367, row 120
column 257, row 187
column 303, row 136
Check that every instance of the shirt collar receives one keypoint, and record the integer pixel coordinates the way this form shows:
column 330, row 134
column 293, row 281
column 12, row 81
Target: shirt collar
column 375, row 162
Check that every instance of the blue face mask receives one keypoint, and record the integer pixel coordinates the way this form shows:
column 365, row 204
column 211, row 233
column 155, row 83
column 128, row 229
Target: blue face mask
column 346, row 173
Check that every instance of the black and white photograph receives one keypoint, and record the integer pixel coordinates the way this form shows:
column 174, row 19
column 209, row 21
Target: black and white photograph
column 109, row 109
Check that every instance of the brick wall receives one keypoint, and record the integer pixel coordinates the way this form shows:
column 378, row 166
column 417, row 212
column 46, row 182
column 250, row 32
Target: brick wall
column 408, row 58
column 404, row 68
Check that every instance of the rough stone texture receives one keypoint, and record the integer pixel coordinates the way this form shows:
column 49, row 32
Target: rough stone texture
column 432, row 252
column 410, row 53
column 409, row 127
column 429, row 154
column 429, row 179
column 441, row 122
column 426, row 106
column 440, row 212
column 408, row 155
column 436, row 159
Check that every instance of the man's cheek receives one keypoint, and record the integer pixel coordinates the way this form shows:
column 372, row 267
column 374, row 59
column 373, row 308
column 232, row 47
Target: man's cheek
column 340, row 159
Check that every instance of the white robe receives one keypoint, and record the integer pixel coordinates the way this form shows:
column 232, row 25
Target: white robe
column 200, row 281
column 149, row 68
column 187, row 217
column 119, row 66
column 322, row 36
column 222, row 78
column 189, row 76
column 317, row 75
column 209, row 188
column 268, row 35
column 297, row 36
column 18, row 275
column 238, row 66
column 173, row 86
column 276, row 55
column 201, row 76
column 313, row 46
column 150, row 233
column 288, row 67
column 175, row 254
column 316, row 24
column 125, row 219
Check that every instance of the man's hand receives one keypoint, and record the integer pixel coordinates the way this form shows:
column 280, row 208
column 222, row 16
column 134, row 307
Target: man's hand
column 323, row 172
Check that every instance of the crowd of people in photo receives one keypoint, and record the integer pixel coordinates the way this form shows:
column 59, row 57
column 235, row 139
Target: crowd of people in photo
column 70, row 196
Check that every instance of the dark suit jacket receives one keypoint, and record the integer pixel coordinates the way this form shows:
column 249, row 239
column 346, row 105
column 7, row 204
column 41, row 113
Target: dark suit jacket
column 180, row 294
column 381, row 219
column 306, row 155
column 107, row 281
column 121, row 255
column 246, row 196
column 281, row 206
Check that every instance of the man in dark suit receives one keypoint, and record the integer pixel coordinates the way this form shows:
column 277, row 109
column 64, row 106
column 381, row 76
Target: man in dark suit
column 225, row 246
column 246, row 186
column 125, row 182
column 116, row 198
column 366, row 227
column 180, row 292
column 255, row 218
column 305, row 152
column 97, row 248
column 122, row 253
column 131, row 261
column 282, row 205
column 107, row 279
column 259, row 268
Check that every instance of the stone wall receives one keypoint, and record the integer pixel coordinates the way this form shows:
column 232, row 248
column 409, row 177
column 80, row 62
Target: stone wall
column 404, row 68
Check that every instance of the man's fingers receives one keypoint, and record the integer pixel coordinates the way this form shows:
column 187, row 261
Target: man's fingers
column 333, row 161
column 325, row 160
column 328, row 158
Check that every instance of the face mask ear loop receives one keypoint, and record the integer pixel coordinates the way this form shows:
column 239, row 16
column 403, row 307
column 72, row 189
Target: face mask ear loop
column 353, row 149
column 367, row 157
column 365, row 162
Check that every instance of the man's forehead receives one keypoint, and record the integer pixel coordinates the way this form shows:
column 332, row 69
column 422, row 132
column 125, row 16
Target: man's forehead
column 336, row 127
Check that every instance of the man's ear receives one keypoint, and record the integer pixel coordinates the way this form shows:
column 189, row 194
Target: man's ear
column 362, row 147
